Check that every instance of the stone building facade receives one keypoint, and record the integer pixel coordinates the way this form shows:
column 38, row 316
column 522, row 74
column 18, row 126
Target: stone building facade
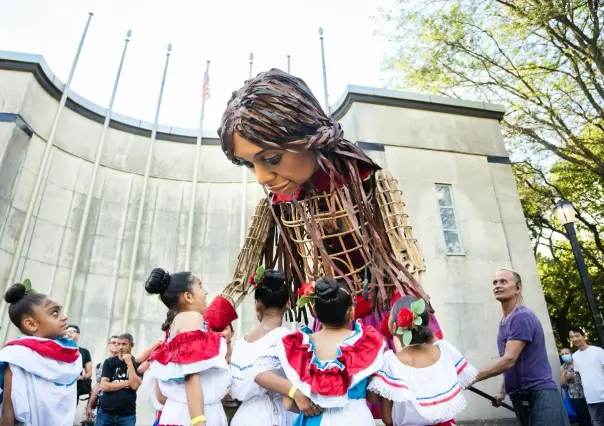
column 447, row 155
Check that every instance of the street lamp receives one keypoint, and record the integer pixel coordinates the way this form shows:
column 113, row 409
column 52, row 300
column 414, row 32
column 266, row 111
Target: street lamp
column 565, row 213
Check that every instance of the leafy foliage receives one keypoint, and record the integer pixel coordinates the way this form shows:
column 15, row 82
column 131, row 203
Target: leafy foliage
column 544, row 61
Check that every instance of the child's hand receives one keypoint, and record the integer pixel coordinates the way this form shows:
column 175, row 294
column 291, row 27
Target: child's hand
column 305, row 405
column 290, row 405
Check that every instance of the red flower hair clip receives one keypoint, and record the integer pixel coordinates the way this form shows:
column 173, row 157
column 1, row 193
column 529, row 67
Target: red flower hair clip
column 306, row 294
column 256, row 278
column 410, row 318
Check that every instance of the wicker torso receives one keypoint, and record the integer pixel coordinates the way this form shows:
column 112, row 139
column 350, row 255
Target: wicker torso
column 344, row 236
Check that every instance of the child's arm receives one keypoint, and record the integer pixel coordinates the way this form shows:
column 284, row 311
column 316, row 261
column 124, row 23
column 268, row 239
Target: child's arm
column 194, row 397
column 193, row 321
column 8, row 413
column 140, row 358
column 271, row 381
column 386, row 409
column 160, row 396
column 372, row 397
column 143, row 367
column 290, row 405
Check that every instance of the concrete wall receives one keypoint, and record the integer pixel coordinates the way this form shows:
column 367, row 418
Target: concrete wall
column 419, row 145
column 99, row 294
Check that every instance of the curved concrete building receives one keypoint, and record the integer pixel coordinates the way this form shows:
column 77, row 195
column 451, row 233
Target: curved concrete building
column 448, row 156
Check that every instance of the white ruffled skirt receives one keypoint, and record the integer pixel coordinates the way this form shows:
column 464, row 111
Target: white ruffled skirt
column 177, row 413
column 355, row 413
column 263, row 410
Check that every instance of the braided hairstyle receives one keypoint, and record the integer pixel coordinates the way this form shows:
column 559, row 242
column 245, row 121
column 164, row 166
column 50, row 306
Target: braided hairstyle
column 277, row 110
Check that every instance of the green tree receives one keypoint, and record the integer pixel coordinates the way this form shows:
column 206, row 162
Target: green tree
column 544, row 61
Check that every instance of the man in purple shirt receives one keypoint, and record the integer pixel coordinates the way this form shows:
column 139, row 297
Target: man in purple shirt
column 523, row 359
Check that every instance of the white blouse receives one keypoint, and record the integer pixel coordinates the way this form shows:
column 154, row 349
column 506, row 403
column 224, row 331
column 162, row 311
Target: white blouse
column 425, row 396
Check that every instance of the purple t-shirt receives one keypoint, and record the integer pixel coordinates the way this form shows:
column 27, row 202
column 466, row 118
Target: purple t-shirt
column 532, row 370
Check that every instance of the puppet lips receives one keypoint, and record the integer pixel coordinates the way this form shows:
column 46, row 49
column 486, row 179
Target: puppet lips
column 279, row 189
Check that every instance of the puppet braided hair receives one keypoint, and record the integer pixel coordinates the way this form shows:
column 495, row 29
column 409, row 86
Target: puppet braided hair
column 277, row 110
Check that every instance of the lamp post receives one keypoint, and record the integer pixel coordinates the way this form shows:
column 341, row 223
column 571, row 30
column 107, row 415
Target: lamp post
column 565, row 213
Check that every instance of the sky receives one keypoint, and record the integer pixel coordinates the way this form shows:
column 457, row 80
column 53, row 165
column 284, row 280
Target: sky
column 222, row 31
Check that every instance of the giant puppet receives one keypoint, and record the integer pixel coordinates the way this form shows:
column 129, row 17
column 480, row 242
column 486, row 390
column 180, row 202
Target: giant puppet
column 329, row 210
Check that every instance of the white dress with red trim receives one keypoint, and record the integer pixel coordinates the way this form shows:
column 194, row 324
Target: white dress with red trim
column 259, row 407
column 45, row 372
column 188, row 353
column 339, row 385
column 425, row 396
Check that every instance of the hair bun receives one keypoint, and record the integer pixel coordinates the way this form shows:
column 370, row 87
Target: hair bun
column 273, row 280
column 15, row 293
column 158, row 281
column 327, row 288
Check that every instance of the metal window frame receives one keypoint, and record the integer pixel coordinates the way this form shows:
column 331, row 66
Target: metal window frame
column 452, row 207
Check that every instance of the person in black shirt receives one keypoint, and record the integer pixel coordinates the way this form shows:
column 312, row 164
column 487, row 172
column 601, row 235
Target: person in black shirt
column 84, row 385
column 114, row 350
column 119, row 383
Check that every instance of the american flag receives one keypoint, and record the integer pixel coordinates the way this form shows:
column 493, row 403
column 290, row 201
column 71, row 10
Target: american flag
column 206, row 86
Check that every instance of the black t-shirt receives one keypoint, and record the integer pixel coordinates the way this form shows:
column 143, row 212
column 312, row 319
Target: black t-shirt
column 121, row 402
column 86, row 358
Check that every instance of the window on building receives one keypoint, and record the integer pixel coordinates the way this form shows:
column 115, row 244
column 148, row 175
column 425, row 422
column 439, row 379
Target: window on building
column 447, row 218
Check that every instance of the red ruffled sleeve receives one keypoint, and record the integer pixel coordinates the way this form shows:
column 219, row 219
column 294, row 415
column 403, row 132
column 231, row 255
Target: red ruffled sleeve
column 187, row 348
column 332, row 378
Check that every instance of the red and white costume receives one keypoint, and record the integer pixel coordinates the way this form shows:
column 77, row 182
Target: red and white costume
column 259, row 407
column 425, row 396
column 149, row 384
column 44, row 373
column 338, row 385
column 188, row 353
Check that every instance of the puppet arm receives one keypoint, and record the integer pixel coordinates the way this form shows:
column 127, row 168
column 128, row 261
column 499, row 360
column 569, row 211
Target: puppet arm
column 222, row 310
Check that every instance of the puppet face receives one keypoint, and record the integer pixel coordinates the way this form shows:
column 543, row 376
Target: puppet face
column 281, row 171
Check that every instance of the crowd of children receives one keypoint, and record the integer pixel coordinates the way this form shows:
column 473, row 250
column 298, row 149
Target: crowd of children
column 309, row 378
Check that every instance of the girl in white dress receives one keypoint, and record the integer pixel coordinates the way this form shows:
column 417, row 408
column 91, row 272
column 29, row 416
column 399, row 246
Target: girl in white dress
column 332, row 366
column 41, row 368
column 190, row 366
column 421, row 384
column 256, row 353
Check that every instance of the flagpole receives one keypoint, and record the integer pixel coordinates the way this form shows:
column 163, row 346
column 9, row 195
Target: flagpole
column 42, row 169
column 196, row 171
column 288, row 64
column 141, row 206
column 242, row 222
column 327, row 107
column 242, row 230
column 97, row 161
